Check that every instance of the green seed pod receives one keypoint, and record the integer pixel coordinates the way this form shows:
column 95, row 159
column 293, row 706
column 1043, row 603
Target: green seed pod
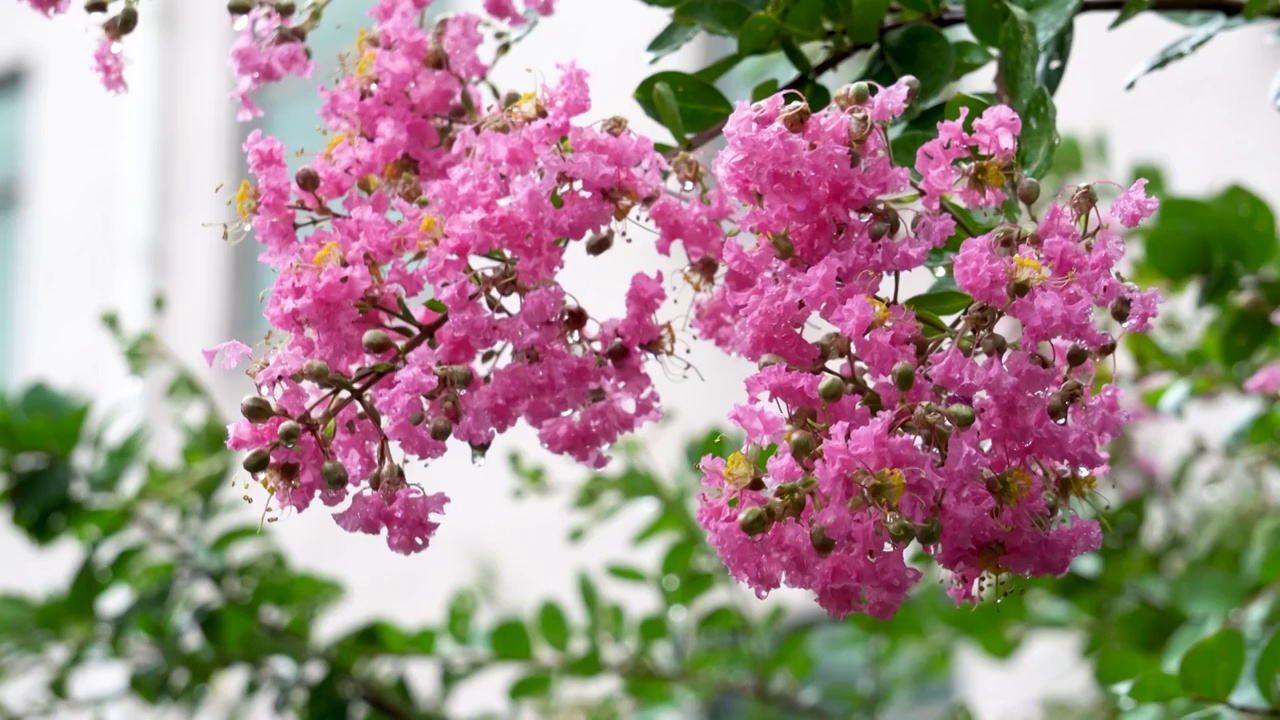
column 257, row 409
column 860, row 93
column 257, row 461
column 822, row 544
column 872, row 401
column 376, row 342
column 289, row 433
column 831, row 388
column 334, row 475
column 754, row 521
column 459, row 376
column 929, row 532
column 317, row 371
column 782, row 246
column 802, row 444
column 1028, row 191
column 961, row 415
column 901, row 530
column 441, row 428
column 904, row 376
column 417, row 418
column 878, row 230
column 1077, row 355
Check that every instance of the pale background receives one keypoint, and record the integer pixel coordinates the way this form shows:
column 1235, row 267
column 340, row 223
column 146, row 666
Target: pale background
column 115, row 201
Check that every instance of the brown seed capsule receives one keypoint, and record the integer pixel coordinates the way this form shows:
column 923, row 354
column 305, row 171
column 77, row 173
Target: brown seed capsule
column 904, row 376
column 239, row 7
column 822, row 544
column 1072, row 391
column 96, row 6
column 1057, row 408
column 913, row 87
column 257, row 409
column 1039, row 360
column 573, row 318
column 286, row 8
column 794, row 116
column 877, row 230
column 860, row 126
column 831, row 388
column 617, row 352
column 1106, row 349
column 754, row 521
column 257, row 461
column 993, row 345
column 127, row 20
column 782, row 246
column 599, row 244
column 615, row 125
column 308, row 179
column 1028, row 191
column 289, row 433
column 376, row 342
column 1120, row 309
column 441, row 428
column 1077, row 355
column 459, row 376
column 834, row 345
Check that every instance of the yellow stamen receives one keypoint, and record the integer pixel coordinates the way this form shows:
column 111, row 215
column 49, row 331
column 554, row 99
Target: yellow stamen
column 880, row 312
column 246, row 200
column 330, row 253
column 334, row 142
column 738, row 470
column 366, row 64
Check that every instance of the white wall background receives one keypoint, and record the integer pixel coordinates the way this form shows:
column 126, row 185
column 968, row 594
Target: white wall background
column 118, row 202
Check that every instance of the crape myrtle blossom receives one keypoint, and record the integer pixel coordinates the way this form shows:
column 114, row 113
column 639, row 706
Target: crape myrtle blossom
column 108, row 57
column 976, row 438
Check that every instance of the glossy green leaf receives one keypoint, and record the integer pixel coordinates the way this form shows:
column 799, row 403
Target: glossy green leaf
column 758, row 34
column 1186, row 45
column 922, row 51
column 1130, row 10
column 906, row 145
column 1212, row 667
column 673, row 37
column 1039, row 134
column 699, row 103
column 1267, row 671
column 1051, row 17
column 1260, row 8
column 970, row 56
column 864, row 20
column 795, row 55
column 1019, row 55
column 803, row 19
column 554, row 626
column 942, row 302
column 764, row 90
column 975, row 105
column 1118, row 663
column 714, row 16
column 1155, row 686
column 1053, row 60
column 510, row 641
column 985, row 19
column 664, row 99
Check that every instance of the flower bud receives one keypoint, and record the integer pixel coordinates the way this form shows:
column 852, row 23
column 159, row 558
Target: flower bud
column 257, row 461
column 834, row 345
column 993, row 345
column 308, row 179
column 334, row 474
column 860, row 126
column 1072, row 391
column 598, row 244
column 1039, row 360
column 769, row 359
column 904, row 376
column 459, row 376
column 289, row 433
column 794, row 116
column 901, row 530
column 822, row 544
column 1028, row 191
column 257, row 409
column 573, row 318
column 239, row 7
column 1120, row 308
column 981, row 316
column 775, row 509
column 288, row 472
column 1077, row 355
column 877, row 230
column 376, row 342
column 802, row 443
column 1084, row 200
column 961, row 415
column 754, row 521
column 417, row 418
column 1057, row 408
column 872, row 401
column 127, row 20
column 441, row 428
column 615, row 125
column 831, row 388
column 316, row 371
column 929, row 532
column 1106, row 349
column 913, row 87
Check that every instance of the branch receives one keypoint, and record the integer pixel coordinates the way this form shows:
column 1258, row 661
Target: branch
column 947, row 19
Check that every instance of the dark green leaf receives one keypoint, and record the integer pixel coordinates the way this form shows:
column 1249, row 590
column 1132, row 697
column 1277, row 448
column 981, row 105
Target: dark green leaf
column 461, row 615
column 975, row 105
column 906, row 145
column 1019, row 56
column 715, row 16
column 590, row 596
column 234, row 536
column 764, row 90
column 664, row 99
column 436, row 306
column 1269, row 570
column 533, row 685
column 1051, row 18
column 942, row 302
column 922, row 7
column 700, row 104
column 510, row 641
column 1120, row 663
column 715, row 70
column 722, row 618
column 672, row 38
column 864, row 20
column 1039, row 134
column 653, row 628
column 1155, row 686
column 923, row 51
column 1260, row 8
column 1130, row 10
column 1211, row 668
column 803, row 19
column 1186, row 45
column 1053, row 59
column 1181, row 242
column 985, row 18
column 797, row 57
column 554, row 626
column 758, row 34
column 627, row 572
column 1267, row 671
column 1251, row 239
column 970, row 56
column 648, row 689
column 816, row 94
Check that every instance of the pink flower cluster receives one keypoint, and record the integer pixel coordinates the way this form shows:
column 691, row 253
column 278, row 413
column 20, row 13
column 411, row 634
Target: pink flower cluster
column 268, row 49
column 423, row 305
column 108, row 62
column 871, row 426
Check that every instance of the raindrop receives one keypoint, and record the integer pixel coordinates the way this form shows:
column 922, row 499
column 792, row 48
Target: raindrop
column 939, row 271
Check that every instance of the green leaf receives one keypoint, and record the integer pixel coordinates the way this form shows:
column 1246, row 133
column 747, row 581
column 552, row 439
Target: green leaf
column 985, row 19
column 1251, row 239
column 797, row 57
column 1019, row 55
column 1186, row 45
column 722, row 618
column 234, row 536
column 1181, row 241
column 672, row 38
column 816, row 94
column 590, row 596
column 803, row 19
column 1129, row 11
column 653, row 628
column 1259, row 8
column 664, row 99
column 1039, row 134
column 712, row 72
column 941, row 302
column 764, row 90
column 648, row 689
column 1053, row 60
column 864, row 18
column 970, row 56
column 975, row 105
column 1052, row 17
column 906, row 145
column 436, row 306
column 715, row 16
column 1155, row 686
column 700, row 104
column 922, row 7
column 1267, row 671
column 554, row 626
column 1119, row 663
column 533, row 685
column 1269, row 570
column 462, row 612
column 923, row 51
column 628, row 573
column 758, row 34
column 1211, row 668
column 510, row 641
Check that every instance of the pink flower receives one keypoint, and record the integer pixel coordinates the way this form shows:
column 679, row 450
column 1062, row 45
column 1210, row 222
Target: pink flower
column 1133, row 206
column 233, row 353
column 49, row 7
column 996, row 132
column 1264, row 382
column 109, row 63
column 261, row 55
